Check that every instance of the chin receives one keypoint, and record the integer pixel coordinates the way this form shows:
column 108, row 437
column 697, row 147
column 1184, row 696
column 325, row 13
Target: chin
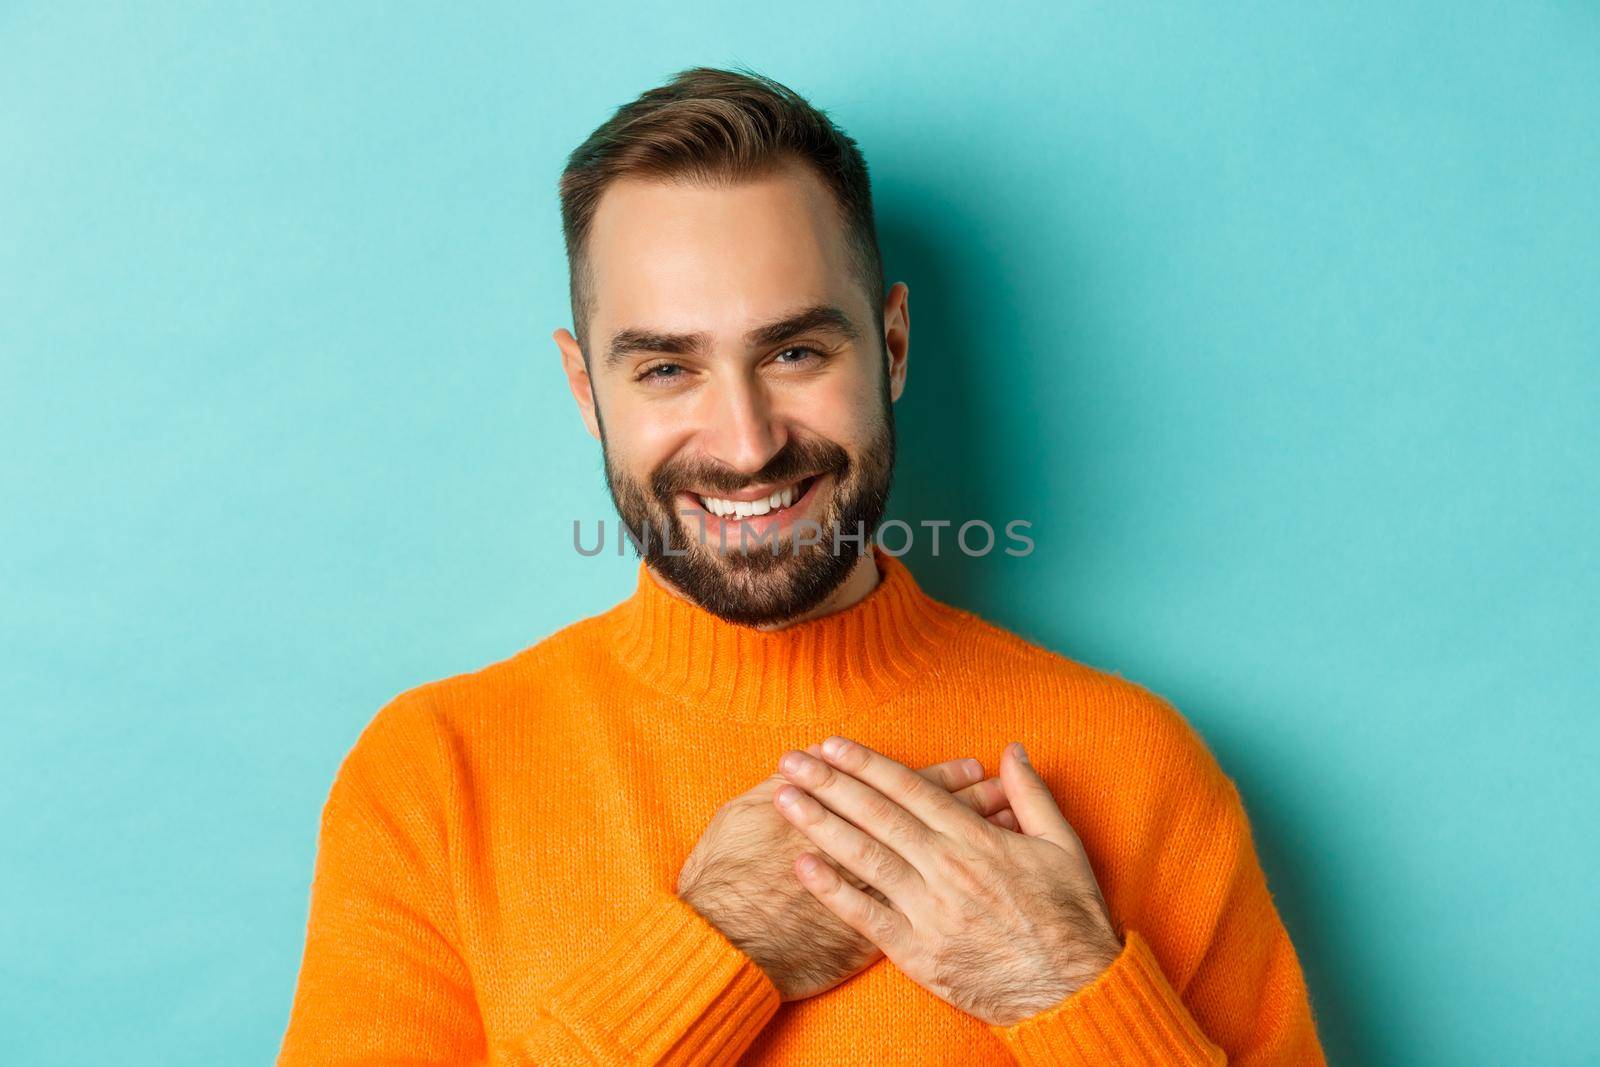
column 758, row 588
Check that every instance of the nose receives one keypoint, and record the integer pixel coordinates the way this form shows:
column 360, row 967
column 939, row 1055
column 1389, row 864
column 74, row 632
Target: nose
column 743, row 429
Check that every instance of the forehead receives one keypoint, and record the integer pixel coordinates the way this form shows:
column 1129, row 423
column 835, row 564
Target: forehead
column 688, row 256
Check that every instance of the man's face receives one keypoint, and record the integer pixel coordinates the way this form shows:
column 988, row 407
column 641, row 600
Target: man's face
column 741, row 384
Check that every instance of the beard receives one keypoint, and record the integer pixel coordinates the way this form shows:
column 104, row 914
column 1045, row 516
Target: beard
column 764, row 581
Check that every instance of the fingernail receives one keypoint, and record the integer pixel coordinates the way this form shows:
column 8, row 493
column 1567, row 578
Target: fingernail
column 788, row 795
column 833, row 746
column 1022, row 754
column 790, row 763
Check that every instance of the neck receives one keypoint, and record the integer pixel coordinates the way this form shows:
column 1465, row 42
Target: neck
column 877, row 634
column 861, row 580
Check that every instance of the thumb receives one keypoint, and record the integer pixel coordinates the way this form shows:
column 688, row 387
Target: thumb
column 1034, row 805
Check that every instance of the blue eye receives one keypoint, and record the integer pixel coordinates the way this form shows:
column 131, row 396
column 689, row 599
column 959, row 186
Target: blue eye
column 803, row 353
column 661, row 372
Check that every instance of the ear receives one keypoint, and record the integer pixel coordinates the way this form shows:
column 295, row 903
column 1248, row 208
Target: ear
column 577, row 372
column 897, row 335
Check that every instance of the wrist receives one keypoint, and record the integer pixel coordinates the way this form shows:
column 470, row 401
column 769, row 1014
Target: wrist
column 1081, row 968
column 1091, row 963
column 704, row 904
column 744, row 932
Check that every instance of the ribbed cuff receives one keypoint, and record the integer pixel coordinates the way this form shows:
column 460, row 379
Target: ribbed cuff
column 669, row 989
column 1130, row 1016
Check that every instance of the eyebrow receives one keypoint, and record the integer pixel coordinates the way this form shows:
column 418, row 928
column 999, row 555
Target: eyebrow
column 823, row 317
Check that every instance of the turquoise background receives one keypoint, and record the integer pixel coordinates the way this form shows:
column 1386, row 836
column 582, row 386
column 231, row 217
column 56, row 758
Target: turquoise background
column 1280, row 322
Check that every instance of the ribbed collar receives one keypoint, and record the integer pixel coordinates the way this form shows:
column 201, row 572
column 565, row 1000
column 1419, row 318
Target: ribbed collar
column 825, row 668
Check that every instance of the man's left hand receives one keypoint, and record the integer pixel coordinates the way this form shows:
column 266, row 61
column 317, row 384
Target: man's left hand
column 1002, row 925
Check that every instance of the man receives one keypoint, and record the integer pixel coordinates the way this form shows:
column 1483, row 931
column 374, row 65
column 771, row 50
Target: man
column 741, row 814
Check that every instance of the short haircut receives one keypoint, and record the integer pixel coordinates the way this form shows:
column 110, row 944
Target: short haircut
column 715, row 126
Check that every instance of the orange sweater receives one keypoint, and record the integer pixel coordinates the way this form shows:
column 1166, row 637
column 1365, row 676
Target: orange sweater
column 497, row 856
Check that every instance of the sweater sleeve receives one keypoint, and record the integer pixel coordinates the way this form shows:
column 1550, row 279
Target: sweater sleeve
column 383, row 980
column 668, row 988
column 1230, row 989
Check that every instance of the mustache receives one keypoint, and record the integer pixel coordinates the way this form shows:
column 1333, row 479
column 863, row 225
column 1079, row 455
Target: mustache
column 798, row 458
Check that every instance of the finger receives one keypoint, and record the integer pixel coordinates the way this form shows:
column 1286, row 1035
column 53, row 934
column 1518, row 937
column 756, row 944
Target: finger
column 1035, row 806
column 875, row 921
column 951, row 775
column 1005, row 819
column 934, row 807
column 870, row 811
column 985, row 797
column 859, row 883
column 857, row 852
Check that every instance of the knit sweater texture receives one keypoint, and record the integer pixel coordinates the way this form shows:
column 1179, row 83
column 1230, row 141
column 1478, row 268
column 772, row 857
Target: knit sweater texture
column 495, row 872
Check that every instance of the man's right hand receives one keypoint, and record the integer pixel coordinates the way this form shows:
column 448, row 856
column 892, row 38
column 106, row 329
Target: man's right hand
column 740, row 877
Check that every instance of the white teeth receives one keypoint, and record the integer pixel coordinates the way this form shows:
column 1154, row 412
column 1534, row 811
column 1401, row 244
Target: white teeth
column 743, row 508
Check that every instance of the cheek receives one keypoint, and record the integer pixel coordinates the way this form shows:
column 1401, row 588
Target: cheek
column 643, row 436
column 843, row 410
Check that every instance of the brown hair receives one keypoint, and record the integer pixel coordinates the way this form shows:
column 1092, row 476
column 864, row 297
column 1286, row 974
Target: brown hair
column 712, row 125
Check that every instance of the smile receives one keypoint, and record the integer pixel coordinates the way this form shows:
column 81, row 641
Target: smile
column 777, row 500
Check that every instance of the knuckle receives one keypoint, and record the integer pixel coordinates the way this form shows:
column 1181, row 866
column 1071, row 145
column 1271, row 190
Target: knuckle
column 941, row 809
column 879, row 810
column 824, row 776
column 915, row 791
column 947, row 805
column 871, row 858
column 989, row 795
column 809, row 812
column 890, row 867
column 962, row 871
column 973, row 796
column 880, row 924
column 855, row 757
column 904, row 833
column 905, row 783
column 862, row 855
column 976, row 835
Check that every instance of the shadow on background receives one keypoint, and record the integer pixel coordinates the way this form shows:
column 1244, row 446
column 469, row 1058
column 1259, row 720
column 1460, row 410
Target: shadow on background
column 1347, row 1024
column 944, row 469
column 942, row 451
